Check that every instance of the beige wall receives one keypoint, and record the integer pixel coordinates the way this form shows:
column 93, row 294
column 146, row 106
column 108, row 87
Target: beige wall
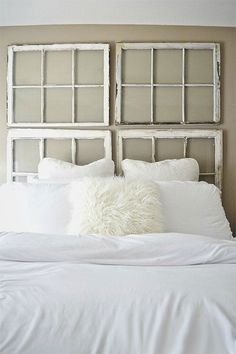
column 112, row 34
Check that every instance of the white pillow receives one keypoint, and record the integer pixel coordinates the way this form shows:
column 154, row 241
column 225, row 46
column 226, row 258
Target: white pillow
column 114, row 206
column 186, row 169
column 36, row 180
column 193, row 207
column 50, row 168
column 34, row 208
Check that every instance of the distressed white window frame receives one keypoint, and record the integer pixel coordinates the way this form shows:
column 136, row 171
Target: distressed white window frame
column 185, row 134
column 57, row 47
column 215, row 47
column 42, row 134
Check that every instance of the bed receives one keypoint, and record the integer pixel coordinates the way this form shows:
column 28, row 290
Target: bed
column 92, row 264
column 166, row 292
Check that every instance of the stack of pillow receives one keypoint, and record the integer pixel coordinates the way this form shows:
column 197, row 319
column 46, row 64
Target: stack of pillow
column 153, row 197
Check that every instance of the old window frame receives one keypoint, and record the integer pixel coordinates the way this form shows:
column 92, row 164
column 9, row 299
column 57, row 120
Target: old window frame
column 57, row 47
column 42, row 134
column 215, row 47
column 184, row 134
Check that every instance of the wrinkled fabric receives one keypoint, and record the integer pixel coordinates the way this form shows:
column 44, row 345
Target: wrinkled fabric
column 139, row 294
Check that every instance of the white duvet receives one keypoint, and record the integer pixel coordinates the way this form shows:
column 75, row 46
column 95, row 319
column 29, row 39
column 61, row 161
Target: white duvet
column 149, row 294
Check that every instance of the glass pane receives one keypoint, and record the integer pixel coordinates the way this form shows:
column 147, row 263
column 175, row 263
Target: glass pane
column 27, row 68
column 137, row 149
column 89, row 150
column 136, row 105
column 199, row 66
column 22, row 179
column 27, row 105
column 58, row 149
column 199, row 104
column 136, row 66
column 203, row 150
column 58, row 67
column 26, row 155
column 58, row 105
column 167, row 104
column 167, row 65
column 89, row 67
column 89, row 104
column 208, row 179
column 169, row 149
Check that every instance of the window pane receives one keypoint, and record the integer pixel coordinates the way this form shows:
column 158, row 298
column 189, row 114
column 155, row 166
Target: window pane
column 137, row 149
column 89, row 104
column 199, row 66
column 27, row 105
column 58, row 105
column 58, row 149
column 136, row 104
column 26, row 155
column 58, row 67
column 136, row 66
column 167, row 104
column 199, row 104
column 89, row 67
column 208, row 179
column 169, row 149
column 89, row 150
column 203, row 150
column 22, row 179
column 167, row 64
column 27, row 68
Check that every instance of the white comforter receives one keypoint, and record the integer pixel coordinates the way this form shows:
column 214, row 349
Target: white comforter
column 149, row 294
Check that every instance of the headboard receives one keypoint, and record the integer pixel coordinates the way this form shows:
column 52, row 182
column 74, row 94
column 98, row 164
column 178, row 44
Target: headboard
column 26, row 147
column 67, row 86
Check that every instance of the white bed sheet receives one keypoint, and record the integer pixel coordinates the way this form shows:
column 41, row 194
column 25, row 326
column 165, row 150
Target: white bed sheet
column 150, row 294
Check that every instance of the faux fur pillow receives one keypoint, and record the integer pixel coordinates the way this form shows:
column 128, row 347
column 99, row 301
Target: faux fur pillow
column 115, row 206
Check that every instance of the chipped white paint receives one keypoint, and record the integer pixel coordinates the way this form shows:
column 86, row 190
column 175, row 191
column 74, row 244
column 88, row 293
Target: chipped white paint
column 43, row 134
column 183, row 85
column 57, row 47
column 185, row 134
column 215, row 47
column 216, row 78
column 41, row 88
column 152, row 86
column 165, row 45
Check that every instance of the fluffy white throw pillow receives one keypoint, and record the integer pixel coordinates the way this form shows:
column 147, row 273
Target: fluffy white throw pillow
column 115, row 206
column 186, row 169
column 50, row 168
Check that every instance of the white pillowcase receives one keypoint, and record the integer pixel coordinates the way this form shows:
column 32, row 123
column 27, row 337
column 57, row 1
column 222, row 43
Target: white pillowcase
column 50, row 168
column 115, row 206
column 186, row 207
column 193, row 207
column 34, row 208
column 186, row 169
column 36, row 180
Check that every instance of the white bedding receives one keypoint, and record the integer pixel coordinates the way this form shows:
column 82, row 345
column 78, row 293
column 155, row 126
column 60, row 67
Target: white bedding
column 149, row 294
